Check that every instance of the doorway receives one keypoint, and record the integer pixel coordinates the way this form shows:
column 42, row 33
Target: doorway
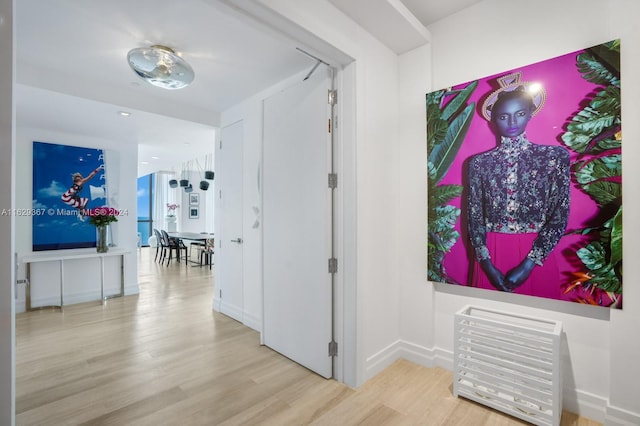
column 228, row 297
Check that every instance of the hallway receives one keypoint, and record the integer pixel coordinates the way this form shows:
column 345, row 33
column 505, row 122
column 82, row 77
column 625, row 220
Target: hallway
column 164, row 358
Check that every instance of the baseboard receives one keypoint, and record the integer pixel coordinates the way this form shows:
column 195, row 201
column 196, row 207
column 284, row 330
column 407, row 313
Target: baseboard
column 381, row 360
column 401, row 349
column 584, row 403
column 131, row 289
column 237, row 314
column 252, row 321
column 615, row 416
column 576, row 401
column 229, row 310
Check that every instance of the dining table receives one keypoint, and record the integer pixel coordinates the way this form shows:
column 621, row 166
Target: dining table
column 198, row 238
column 191, row 236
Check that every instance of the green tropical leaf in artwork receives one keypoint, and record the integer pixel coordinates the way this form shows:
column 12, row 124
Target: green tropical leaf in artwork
column 431, row 171
column 609, row 54
column 434, row 98
column 594, row 71
column 447, row 125
column 442, row 194
column 435, row 124
column 593, row 256
column 604, row 145
column 603, row 276
column 443, row 153
column 616, row 238
column 442, row 237
column 576, row 141
column 600, row 178
column 603, row 112
column 443, row 228
column 596, row 133
column 459, row 100
column 436, row 130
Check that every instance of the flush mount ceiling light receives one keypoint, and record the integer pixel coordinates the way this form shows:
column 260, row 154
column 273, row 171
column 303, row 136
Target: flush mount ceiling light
column 160, row 66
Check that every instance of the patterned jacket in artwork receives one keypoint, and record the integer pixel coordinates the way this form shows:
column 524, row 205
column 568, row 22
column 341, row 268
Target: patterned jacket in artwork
column 519, row 187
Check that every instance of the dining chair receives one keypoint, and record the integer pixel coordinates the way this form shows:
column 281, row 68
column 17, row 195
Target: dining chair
column 206, row 252
column 160, row 247
column 197, row 245
column 173, row 244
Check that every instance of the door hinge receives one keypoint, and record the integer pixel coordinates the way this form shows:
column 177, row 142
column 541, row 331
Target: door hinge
column 333, row 265
column 333, row 348
column 333, row 180
column 220, row 143
column 332, row 97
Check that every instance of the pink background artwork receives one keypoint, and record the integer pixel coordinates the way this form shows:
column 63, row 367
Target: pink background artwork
column 566, row 91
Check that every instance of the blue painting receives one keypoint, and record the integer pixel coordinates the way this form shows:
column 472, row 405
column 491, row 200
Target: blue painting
column 68, row 181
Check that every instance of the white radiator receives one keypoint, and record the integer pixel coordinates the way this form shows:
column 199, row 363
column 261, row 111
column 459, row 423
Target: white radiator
column 509, row 362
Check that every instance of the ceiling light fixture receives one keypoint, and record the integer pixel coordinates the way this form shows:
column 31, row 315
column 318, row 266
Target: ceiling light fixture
column 160, row 66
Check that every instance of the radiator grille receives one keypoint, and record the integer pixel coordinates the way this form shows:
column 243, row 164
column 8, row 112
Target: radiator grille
column 509, row 362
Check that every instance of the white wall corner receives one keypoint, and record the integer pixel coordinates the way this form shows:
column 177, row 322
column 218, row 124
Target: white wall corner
column 401, row 349
column 252, row 321
column 389, row 21
column 131, row 288
column 229, row 310
column 381, row 360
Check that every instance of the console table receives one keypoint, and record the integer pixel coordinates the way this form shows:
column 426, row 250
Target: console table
column 62, row 255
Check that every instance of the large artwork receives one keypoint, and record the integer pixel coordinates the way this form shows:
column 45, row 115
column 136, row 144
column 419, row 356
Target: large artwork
column 524, row 180
column 68, row 181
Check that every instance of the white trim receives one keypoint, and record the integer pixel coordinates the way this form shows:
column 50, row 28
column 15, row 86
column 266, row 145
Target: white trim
column 230, row 310
column 252, row 321
column 382, row 359
column 427, row 357
column 615, row 416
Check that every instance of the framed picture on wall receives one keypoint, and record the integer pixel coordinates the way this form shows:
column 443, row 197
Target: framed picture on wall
column 194, row 199
column 193, row 212
column 68, row 181
column 525, row 180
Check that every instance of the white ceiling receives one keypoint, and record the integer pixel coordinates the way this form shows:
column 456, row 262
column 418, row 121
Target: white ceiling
column 73, row 75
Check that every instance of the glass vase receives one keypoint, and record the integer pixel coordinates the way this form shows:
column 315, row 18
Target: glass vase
column 102, row 245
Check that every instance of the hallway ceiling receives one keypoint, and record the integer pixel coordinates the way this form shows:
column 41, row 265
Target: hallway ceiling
column 79, row 49
column 400, row 24
column 73, row 75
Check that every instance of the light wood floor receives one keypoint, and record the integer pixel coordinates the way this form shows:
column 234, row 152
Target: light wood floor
column 165, row 358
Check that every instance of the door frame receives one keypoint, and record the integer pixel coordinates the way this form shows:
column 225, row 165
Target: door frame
column 347, row 316
column 234, row 309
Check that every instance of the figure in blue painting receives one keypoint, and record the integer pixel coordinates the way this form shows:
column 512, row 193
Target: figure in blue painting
column 72, row 196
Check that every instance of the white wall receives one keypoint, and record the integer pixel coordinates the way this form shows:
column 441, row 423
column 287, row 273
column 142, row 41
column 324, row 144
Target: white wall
column 124, row 159
column 416, row 297
column 601, row 349
column 7, row 277
column 206, row 214
column 204, row 221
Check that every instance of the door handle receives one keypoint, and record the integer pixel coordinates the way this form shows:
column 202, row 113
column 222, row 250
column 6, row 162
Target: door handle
column 238, row 240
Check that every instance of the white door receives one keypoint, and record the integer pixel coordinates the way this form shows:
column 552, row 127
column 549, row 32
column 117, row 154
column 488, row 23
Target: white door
column 297, row 223
column 228, row 238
